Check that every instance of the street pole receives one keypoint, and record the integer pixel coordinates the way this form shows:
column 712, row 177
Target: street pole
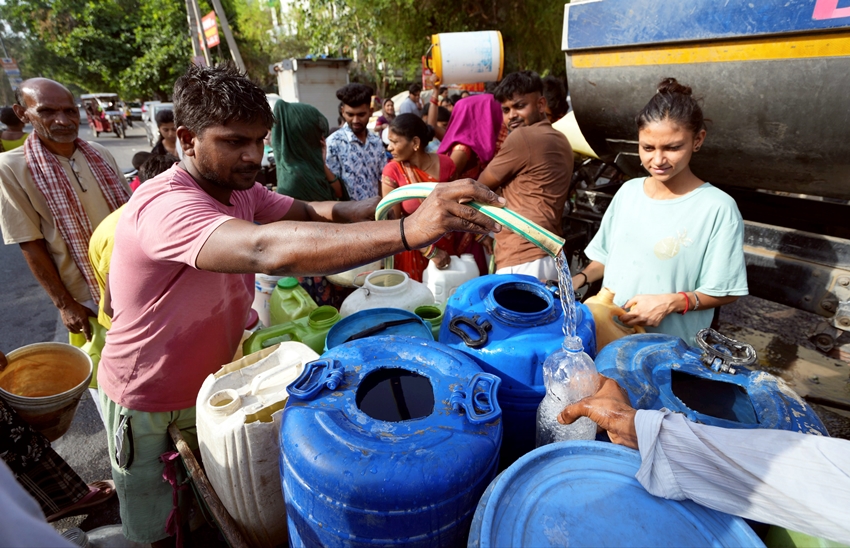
column 193, row 30
column 5, row 77
column 199, row 28
column 231, row 43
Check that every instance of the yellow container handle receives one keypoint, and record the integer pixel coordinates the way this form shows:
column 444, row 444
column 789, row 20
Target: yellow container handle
column 529, row 230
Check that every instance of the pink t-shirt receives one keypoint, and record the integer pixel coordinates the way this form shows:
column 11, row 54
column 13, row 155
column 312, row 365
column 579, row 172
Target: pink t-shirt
column 175, row 324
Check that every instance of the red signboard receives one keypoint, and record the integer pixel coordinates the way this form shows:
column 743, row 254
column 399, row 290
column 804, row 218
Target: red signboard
column 210, row 29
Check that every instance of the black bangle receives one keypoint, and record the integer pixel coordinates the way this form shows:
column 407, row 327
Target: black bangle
column 403, row 239
column 585, row 280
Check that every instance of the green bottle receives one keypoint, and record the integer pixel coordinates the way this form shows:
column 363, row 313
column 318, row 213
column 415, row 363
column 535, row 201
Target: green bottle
column 289, row 302
column 433, row 316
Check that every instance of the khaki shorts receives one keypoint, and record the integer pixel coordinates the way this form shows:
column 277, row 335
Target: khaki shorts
column 136, row 440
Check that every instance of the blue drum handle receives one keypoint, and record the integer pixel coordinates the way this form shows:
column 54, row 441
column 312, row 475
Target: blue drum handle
column 316, row 376
column 480, row 394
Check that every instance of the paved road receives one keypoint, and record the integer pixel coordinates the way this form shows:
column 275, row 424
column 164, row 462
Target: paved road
column 122, row 149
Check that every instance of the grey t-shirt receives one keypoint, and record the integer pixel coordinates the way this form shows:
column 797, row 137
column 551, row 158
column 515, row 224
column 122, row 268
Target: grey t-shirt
column 409, row 107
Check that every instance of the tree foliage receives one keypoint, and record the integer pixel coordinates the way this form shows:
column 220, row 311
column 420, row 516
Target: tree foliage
column 139, row 47
column 131, row 46
column 74, row 41
column 386, row 36
column 259, row 43
column 164, row 50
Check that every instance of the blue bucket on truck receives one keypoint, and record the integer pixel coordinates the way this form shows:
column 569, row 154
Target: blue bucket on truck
column 509, row 324
column 660, row 370
column 388, row 441
column 584, row 493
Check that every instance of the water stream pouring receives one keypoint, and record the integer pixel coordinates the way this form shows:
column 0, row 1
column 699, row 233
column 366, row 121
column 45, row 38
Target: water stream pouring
column 569, row 375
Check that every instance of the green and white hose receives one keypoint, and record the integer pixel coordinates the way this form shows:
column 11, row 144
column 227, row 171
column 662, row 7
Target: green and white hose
column 529, row 230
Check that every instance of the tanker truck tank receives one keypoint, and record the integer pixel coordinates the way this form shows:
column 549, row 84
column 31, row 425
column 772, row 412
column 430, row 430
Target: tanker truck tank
column 774, row 78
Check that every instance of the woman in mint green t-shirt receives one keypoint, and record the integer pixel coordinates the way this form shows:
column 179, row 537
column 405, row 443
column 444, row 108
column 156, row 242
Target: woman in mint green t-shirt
column 671, row 245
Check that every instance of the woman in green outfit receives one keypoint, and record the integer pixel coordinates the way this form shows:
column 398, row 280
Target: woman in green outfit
column 298, row 141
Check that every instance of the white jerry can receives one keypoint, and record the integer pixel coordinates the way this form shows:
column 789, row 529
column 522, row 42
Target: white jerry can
column 387, row 289
column 444, row 283
column 239, row 410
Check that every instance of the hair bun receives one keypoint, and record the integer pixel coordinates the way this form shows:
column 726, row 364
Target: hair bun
column 671, row 85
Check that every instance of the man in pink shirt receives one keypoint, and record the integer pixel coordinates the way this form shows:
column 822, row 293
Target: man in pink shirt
column 181, row 276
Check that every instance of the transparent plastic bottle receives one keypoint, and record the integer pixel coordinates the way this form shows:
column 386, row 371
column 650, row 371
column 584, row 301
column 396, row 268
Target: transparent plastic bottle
column 569, row 375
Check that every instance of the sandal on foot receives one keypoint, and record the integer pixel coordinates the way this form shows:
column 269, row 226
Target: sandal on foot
column 99, row 492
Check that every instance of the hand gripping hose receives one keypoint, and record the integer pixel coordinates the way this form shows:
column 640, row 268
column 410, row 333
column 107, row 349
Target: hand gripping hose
column 529, row 230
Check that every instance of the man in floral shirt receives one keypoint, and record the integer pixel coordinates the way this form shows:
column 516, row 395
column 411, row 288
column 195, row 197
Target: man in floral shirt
column 356, row 155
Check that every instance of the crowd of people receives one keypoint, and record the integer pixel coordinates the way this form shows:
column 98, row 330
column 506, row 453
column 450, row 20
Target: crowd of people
column 170, row 271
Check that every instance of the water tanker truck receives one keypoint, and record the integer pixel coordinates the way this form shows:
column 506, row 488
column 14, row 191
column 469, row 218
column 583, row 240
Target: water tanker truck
column 774, row 78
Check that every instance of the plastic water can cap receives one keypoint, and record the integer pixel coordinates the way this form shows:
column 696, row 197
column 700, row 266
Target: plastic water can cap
column 287, row 283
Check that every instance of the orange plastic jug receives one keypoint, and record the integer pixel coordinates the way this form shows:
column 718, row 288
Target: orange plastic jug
column 605, row 314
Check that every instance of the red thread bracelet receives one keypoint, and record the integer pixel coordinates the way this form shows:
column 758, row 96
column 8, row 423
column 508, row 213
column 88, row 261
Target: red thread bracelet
column 687, row 303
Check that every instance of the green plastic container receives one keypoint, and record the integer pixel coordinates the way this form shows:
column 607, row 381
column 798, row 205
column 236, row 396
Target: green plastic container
column 289, row 302
column 310, row 330
column 779, row 537
column 93, row 347
column 433, row 315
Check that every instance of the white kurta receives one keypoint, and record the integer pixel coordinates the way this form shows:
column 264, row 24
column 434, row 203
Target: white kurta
column 797, row 481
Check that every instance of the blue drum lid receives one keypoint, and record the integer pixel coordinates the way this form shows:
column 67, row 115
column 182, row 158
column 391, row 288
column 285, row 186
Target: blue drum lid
column 375, row 322
column 584, row 493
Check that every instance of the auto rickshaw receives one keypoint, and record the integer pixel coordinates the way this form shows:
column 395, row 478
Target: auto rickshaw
column 104, row 114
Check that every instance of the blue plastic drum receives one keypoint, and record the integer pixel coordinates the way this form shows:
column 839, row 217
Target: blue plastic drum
column 509, row 324
column 378, row 321
column 662, row 371
column 388, row 441
column 584, row 493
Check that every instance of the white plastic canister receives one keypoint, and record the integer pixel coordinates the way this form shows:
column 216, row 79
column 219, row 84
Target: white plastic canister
column 387, row 289
column 444, row 283
column 239, row 411
column 264, row 284
column 468, row 57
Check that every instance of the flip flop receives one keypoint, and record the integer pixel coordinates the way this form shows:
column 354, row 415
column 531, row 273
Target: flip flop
column 99, row 492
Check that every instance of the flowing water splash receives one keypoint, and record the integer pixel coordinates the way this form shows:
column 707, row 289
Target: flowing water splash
column 569, row 375
column 565, row 284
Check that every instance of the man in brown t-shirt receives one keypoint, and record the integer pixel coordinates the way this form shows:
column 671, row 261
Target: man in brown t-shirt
column 532, row 171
